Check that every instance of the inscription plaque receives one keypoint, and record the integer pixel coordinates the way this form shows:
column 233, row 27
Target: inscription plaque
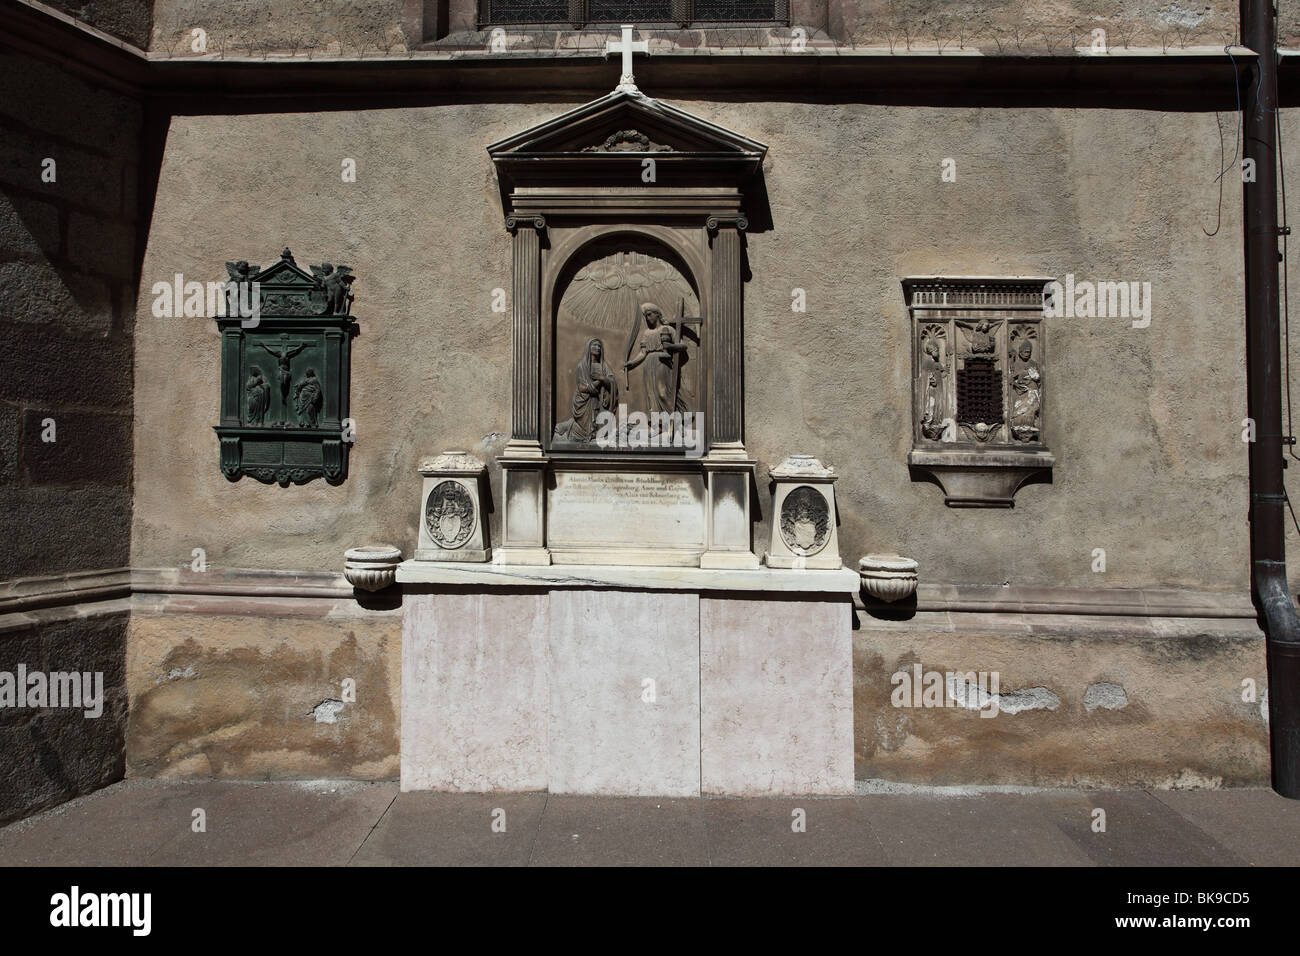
column 646, row 517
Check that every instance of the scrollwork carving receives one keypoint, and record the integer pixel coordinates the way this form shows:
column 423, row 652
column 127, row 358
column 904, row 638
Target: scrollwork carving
column 513, row 222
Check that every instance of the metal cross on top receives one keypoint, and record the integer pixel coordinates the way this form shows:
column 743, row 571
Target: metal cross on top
column 627, row 82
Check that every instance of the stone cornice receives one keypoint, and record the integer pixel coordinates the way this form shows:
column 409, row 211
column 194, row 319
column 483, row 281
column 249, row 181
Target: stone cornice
column 26, row 595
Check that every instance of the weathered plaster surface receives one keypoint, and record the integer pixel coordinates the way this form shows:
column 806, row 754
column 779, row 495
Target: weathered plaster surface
column 128, row 20
column 253, row 27
column 1186, row 716
column 241, row 696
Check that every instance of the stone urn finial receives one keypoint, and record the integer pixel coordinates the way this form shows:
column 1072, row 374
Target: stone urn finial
column 888, row 577
column 371, row 567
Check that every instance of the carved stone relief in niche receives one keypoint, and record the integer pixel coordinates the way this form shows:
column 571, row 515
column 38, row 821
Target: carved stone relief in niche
column 937, row 423
column 1026, row 385
column 979, row 352
column 627, row 332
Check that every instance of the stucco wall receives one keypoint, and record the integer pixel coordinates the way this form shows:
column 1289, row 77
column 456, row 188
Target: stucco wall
column 218, row 692
column 1106, row 702
column 1145, row 422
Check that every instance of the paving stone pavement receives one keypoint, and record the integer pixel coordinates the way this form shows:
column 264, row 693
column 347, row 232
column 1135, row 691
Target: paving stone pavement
column 337, row 823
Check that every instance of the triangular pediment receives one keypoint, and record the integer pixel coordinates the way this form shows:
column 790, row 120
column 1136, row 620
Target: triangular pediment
column 285, row 272
column 624, row 122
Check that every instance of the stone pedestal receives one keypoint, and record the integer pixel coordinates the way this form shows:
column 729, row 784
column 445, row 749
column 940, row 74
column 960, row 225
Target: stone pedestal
column 730, row 480
column 625, row 680
column 523, row 507
column 453, row 521
column 804, row 532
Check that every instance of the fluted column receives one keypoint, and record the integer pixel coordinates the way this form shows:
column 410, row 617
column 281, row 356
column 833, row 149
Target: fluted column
column 523, row 468
column 729, row 470
column 726, row 353
column 525, row 331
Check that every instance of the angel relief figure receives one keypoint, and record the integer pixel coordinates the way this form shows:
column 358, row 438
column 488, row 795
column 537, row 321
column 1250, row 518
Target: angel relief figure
column 981, row 336
column 337, row 282
column 595, row 391
column 239, row 292
column 655, row 348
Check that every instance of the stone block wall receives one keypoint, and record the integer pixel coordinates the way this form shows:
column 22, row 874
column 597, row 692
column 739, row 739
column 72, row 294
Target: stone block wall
column 67, row 312
column 55, row 753
column 128, row 20
column 68, row 222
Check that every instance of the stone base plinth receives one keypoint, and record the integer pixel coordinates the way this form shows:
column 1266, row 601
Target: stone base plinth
column 724, row 682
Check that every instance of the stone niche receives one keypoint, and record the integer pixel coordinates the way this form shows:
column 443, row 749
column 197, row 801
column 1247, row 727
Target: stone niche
column 979, row 364
column 286, row 346
column 627, row 440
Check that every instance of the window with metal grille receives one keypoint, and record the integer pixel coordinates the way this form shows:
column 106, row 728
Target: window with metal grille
column 979, row 392
column 677, row 13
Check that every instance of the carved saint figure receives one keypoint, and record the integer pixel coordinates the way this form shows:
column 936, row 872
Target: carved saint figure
column 1026, row 380
column 337, row 282
column 283, row 373
column 308, row 398
column 595, row 390
column 935, row 420
column 258, row 391
column 655, row 350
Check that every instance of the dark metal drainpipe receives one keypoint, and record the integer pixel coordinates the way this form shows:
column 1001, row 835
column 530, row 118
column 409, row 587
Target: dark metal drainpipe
column 1264, row 402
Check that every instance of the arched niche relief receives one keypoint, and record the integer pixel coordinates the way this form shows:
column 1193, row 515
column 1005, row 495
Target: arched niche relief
column 619, row 203
column 598, row 326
